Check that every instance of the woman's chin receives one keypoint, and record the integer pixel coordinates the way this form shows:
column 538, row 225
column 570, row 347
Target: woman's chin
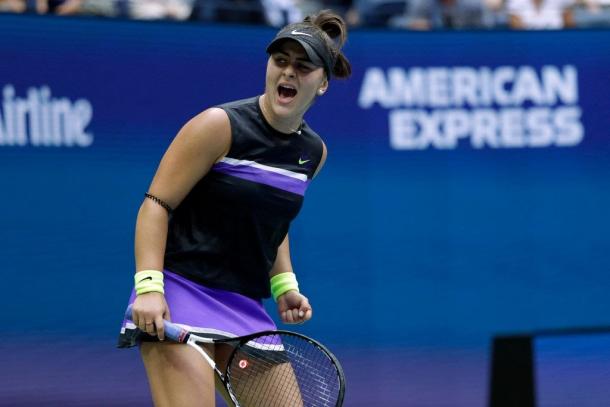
column 283, row 109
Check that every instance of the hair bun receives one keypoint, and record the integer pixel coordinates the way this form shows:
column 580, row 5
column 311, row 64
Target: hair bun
column 331, row 23
column 335, row 29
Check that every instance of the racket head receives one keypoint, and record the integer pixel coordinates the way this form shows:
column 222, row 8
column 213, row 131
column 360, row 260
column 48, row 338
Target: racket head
column 283, row 368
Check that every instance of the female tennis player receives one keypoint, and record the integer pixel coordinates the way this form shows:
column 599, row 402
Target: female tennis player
column 211, row 236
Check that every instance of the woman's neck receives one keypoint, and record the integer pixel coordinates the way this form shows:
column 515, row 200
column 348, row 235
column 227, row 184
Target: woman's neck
column 288, row 125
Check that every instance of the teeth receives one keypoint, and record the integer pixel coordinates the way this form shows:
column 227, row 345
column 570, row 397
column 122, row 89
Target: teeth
column 288, row 87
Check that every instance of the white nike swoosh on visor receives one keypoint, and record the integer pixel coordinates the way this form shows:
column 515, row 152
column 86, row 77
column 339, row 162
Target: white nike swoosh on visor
column 295, row 32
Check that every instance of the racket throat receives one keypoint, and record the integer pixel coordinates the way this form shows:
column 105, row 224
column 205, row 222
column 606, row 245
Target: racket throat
column 202, row 351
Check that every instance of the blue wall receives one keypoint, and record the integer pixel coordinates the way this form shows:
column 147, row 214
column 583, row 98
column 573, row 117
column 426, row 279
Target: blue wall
column 417, row 242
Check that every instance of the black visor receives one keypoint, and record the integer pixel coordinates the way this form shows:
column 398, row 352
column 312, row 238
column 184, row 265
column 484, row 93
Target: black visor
column 312, row 42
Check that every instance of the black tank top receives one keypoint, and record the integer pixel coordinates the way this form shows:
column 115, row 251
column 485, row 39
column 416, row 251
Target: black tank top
column 226, row 232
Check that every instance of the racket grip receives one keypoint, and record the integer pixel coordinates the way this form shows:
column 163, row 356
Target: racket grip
column 172, row 331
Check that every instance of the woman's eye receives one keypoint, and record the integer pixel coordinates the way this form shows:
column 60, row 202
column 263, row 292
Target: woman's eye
column 304, row 68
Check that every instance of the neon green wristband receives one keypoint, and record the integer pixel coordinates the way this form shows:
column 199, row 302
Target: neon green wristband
column 147, row 281
column 149, row 288
column 282, row 283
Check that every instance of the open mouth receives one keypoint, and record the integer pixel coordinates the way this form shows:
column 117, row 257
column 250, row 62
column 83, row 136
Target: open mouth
column 286, row 92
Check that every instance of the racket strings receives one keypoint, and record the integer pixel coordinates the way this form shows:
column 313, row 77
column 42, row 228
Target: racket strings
column 282, row 370
column 315, row 370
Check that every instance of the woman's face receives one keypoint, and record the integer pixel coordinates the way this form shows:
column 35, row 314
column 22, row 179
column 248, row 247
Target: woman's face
column 292, row 81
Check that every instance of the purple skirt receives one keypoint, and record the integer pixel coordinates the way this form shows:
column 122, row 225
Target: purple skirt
column 206, row 311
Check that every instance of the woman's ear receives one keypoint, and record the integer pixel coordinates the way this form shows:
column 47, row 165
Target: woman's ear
column 323, row 87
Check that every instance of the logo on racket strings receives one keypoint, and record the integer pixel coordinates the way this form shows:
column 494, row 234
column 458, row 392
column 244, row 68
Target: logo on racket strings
column 243, row 364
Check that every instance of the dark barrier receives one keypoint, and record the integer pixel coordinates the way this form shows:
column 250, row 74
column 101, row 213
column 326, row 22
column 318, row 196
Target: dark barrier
column 512, row 372
column 567, row 367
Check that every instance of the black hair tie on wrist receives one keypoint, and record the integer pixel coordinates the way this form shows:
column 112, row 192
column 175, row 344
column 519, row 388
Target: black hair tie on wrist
column 160, row 202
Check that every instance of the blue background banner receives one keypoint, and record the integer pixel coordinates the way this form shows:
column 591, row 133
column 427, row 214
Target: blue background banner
column 561, row 376
column 448, row 211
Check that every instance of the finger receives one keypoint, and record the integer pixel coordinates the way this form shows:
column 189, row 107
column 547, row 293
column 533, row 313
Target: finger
column 303, row 310
column 160, row 328
column 141, row 323
column 289, row 319
column 302, row 316
column 295, row 315
column 308, row 315
column 150, row 327
column 304, row 307
column 134, row 319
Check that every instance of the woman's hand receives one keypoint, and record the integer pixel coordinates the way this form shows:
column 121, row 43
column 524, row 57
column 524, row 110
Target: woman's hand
column 148, row 312
column 294, row 308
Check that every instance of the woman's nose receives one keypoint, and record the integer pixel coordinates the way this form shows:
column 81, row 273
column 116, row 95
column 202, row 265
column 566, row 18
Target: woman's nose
column 289, row 71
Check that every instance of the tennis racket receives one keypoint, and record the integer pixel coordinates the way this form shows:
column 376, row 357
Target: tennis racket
column 271, row 368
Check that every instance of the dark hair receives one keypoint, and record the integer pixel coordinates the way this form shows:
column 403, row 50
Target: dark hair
column 335, row 29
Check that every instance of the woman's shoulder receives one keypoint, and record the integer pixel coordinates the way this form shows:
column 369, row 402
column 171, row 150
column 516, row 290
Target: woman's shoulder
column 241, row 104
column 209, row 126
column 210, row 118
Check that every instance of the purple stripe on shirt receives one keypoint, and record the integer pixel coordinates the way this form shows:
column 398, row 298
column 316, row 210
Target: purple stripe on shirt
column 261, row 176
